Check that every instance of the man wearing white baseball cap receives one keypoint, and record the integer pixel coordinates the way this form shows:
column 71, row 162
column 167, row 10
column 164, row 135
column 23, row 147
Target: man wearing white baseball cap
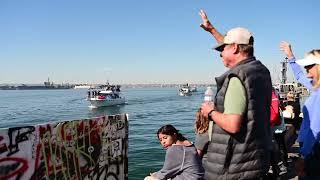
column 240, row 143
column 309, row 135
column 237, row 35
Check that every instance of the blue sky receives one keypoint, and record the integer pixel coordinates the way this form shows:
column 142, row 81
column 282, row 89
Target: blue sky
column 141, row 41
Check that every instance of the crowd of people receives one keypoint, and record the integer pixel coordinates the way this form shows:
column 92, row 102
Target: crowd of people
column 242, row 133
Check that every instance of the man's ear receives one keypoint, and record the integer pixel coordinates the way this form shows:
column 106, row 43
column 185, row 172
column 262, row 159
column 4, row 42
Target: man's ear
column 235, row 48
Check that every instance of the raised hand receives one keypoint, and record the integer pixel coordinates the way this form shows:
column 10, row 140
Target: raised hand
column 286, row 48
column 206, row 25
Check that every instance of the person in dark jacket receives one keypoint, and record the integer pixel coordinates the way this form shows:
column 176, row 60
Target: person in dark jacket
column 241, row 142
column 293, row 104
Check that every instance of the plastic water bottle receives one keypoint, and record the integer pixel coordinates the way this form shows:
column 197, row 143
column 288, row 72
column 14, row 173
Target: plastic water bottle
column 208, row 95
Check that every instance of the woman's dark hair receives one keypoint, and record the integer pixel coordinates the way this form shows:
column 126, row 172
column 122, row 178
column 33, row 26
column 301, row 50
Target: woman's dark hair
column 171, row 131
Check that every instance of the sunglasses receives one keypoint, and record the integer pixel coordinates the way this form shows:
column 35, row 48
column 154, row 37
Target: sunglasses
column 309, row 67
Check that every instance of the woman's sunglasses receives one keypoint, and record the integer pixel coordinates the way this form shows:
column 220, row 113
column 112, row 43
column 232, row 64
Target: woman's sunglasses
column 309, row 67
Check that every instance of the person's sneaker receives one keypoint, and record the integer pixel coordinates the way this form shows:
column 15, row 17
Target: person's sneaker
column 283, row 169
column 270, row 170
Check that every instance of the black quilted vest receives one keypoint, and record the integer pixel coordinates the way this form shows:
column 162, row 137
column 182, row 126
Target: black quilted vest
column 244, row 155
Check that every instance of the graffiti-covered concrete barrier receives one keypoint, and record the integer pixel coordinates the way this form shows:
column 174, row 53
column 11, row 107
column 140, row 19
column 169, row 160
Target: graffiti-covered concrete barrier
column 94, row 148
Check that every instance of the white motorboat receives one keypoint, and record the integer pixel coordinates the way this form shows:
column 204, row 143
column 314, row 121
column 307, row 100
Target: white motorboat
column 185, row 90
column 106, row 95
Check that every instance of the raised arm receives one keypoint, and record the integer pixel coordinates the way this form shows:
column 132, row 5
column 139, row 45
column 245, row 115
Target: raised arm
column 297, row 71
column 207, row 26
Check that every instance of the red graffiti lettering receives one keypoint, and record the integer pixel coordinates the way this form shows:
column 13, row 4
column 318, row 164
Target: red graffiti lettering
column 12, row 166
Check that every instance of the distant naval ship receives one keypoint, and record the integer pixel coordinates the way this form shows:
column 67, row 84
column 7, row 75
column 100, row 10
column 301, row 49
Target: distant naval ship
column 47, row 86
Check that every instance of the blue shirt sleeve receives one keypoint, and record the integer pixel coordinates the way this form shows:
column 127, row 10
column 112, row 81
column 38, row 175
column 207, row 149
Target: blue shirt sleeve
column 299, row 74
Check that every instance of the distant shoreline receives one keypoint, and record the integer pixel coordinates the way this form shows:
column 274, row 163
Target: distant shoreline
column 123, row 85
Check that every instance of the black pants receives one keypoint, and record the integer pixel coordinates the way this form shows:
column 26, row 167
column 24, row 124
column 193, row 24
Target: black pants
column 281, row 146
column 279, row 152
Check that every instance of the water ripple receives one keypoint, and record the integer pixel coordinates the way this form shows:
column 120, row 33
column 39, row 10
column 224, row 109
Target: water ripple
column 148, row 109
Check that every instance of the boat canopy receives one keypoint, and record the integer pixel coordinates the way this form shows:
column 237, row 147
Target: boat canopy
column 106, row 92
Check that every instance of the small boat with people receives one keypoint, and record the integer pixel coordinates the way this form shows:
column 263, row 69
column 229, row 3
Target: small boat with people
column 105, row 95
column 185, row 90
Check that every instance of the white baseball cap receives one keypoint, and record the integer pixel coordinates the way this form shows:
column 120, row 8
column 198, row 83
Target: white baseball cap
column 237, row 35
column 308, row 60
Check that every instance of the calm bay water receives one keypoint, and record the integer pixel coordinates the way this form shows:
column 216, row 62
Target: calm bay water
column 148, row 109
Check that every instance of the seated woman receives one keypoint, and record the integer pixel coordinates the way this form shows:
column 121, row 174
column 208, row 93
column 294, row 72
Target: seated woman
column 182, row 161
